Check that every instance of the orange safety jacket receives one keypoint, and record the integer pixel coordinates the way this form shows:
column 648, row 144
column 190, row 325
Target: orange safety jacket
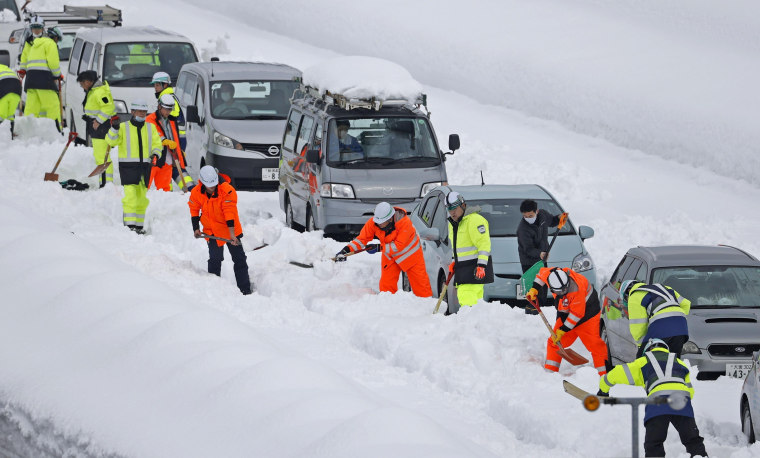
column 573, row 308
column 153, row 119
column 401, row 246
column 217, row 212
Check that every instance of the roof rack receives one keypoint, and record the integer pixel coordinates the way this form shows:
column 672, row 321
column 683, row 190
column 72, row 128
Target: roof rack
column 349, row 103
column 79, row 15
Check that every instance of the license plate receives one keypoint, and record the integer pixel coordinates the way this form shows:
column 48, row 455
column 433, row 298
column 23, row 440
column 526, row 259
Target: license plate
column 270, row 174
column 738, row 370
column 519, row 291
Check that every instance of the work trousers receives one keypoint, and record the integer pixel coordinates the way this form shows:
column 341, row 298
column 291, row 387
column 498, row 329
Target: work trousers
column 657, row 431
column 417, row 275
column 8, row 106
column 239, row 259
column 99, row 150
column 588, row 332
column 163, row 176
column 134, row 204
column 43, row 103
column 469, row 294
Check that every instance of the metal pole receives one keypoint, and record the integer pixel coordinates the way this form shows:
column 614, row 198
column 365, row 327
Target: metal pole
column 635, row 429
column 635, row 403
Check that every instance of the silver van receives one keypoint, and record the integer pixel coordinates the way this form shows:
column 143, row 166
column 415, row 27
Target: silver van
column 341, row 157
column 235, row 114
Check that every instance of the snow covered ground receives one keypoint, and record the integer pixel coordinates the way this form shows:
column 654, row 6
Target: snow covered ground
column 114, row 344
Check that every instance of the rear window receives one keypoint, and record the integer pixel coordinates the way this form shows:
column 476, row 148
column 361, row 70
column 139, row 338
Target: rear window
column 503, row 215
column 133, row 64
column 713, row 286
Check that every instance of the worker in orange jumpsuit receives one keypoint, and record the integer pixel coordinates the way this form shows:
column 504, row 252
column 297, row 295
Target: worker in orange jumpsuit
column 164, row 168
column 402, row 249
column 577, row 315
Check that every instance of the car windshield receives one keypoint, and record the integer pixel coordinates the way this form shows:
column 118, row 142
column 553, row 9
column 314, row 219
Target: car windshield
column 65, row 45
column 713, row 286
column 381, row 142
column 133, row 64
column 503, row 215
column 251, row 99
column 11, row 6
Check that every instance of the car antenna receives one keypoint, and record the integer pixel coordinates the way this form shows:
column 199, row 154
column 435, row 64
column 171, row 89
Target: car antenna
column 213, row 59
column 482, row 181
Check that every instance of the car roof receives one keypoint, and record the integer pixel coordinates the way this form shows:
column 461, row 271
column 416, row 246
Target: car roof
column 128, row 34
column 693, row 255
column 243, row 70
column 500, row 191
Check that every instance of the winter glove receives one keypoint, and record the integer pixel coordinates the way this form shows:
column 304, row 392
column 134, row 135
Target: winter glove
column 21, row 73
column 532, row 295
column 373, row 248
column 602, row 394
column 170, row 143
column 558, row 335
column 480, row 273
column 60, row 77
column 562, row 220
column 115, row 121
column 85, row 118
column 451, row 267
column 340, row 256
column 154, row 160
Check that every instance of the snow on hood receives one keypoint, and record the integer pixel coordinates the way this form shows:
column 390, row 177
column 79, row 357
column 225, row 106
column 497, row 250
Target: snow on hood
column 363, row 77
column 7, row 15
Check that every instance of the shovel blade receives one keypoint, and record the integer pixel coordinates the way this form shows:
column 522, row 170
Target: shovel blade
column 572, row 357
column 49, row 176
column 99, row 169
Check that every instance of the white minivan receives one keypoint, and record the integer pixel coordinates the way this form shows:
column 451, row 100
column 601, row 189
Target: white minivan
column 127, row 58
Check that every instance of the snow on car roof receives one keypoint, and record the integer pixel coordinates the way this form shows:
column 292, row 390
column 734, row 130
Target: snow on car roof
column 363, row 77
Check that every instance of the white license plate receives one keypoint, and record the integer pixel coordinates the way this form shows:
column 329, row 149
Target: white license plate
column 270, row 174
column 738, row 370
column 519, row 292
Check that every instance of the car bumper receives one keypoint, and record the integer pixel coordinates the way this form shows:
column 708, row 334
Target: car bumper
column 709, row 366
column 504, row 287
column 245, row 172
column 350, row 215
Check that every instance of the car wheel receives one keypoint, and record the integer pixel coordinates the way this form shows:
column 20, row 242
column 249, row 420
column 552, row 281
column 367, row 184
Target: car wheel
column 289, row 218
column 747, row 428
column 405, row 282
column 606, row 339
column 310, row 224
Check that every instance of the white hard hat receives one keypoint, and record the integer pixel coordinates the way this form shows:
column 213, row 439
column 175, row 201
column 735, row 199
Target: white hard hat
column 383, row 212
column 559, row 282
column 166, row 101
column 138, row 104
column 161, row 77
column 209, row 176
column 454, row 200
column 37, row 21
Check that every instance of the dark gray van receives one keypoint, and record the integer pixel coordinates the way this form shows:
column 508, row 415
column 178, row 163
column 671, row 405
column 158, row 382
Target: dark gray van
column 342, row 157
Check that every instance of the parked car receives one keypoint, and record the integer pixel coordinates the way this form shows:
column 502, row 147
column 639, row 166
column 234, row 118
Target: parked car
column 241, row 137
column 326, row 184
column 500, row 205
column 723, row 285
column 127, row 58
column 749, row 405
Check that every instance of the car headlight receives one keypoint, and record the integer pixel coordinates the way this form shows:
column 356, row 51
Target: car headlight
column 227, row 142
column 121, row 106
column 427, row 187
column 16, row 36
column 337, row 191
column 690, row 348
column 582, row 263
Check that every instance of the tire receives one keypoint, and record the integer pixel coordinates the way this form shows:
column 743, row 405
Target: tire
column 289, row 218
column 606, row 339
column 747, row 427
column 405, row 282
column 310, row 224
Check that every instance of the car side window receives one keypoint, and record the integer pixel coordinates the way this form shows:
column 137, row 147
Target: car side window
column 179, row 89
column 95, row 58
column 632, row 270
column 304, row 134
column 86, row 55
column 200, row 103
column 291, row 128
column 641, row 275
column 440, row 220
column 189, row 88
column 428, row 210
column 76, row 52
column 617, row 276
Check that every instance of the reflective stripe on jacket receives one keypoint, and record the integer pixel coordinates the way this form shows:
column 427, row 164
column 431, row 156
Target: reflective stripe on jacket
column 98, row 103
column 402, row 245
column 575, row 307
column 173, row 134
column 136, row 144
column 9, row 82
column 216, row 211
column 659, row 372
column 42, row 64
column 647, row 304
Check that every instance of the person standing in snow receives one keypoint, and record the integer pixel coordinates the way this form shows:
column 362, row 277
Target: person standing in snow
column 472, row 265
column 162, row 85
column 577, row 315
column 137, row 142
column 40, row 67
column 402, row 249
column 99, row 112
column 214, row 204
column 660, row 372
column 165, row 170
column 533, row 233
column 10, row 95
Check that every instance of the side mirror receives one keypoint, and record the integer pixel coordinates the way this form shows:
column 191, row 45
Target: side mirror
column 585, row 232
column 431, row 234
column 192, row 114
column 453, row 143
column 312, row 156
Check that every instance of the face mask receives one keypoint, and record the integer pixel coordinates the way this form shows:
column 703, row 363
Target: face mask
column 226, row 96
column 138, row 118
column 36, row 33
column 530, row 220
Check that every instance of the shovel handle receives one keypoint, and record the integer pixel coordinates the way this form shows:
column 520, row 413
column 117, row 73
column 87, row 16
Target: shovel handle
column 58, row 162
column 213, row 237
column 350, row 253
column 443, row 292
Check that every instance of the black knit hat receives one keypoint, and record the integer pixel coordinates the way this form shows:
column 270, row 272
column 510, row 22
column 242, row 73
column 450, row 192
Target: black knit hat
column 87, row 75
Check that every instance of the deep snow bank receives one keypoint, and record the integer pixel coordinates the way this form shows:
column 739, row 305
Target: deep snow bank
column 674, row 79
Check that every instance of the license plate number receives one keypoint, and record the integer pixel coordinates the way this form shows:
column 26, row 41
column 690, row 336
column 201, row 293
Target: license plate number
column 270, row 174
column 519, row 291
column 738, row 370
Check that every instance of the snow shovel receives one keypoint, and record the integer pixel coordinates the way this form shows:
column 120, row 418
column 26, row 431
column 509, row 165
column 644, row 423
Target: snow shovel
column 571, row 356
column 52, row 176
column 258, row 247
column 175, row 159
column 213, row 237
column 310, row 266
column 102, row 167
column 443, row 292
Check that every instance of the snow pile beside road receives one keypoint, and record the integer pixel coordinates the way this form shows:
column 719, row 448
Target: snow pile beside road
column 363, row 77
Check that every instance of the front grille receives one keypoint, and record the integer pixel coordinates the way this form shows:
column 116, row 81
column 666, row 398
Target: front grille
column 390, row 201
column 262, row 148
column 249, row 184
column 729, row 350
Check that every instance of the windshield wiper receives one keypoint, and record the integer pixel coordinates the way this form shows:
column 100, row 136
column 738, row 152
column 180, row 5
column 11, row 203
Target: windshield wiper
column 263, row 117
column 129, row 80
column 412, row 159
